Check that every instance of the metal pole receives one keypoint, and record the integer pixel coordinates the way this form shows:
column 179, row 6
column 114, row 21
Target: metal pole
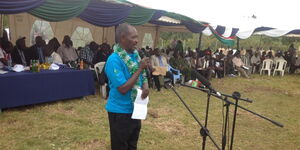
column 260, row 41
column 200, row 39
column 1, row 25
column 156, row 37
column 238, row 43
column 233, row 124
column 224, row 138
column 220, row 98
column 203, row 129
column 206, row 119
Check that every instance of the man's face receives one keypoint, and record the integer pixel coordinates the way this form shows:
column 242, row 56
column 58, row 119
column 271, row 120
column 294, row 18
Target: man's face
column 207, row 56
column 130, row 40
column 156, row 52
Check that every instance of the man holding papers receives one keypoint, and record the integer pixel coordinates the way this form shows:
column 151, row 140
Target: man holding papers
column 160, row 65
column 126, row 73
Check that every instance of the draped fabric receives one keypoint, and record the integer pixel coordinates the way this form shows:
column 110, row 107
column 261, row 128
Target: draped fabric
column 139, row 15
column 162, row 23
column 194, row 27
column 60, row 10
column 178, row 16
column 222, row 39
column 191, row 24
column 105, row 14
column 227, row 32
column 155, row 19
column 259, row 29
column 274, row 32
column 244, row 34
column 234, row 32
column 297, row 31
column 18, row 6
column 220, row 30
column 157, row 14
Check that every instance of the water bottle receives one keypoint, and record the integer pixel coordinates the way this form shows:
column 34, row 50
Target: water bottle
column 9, row 62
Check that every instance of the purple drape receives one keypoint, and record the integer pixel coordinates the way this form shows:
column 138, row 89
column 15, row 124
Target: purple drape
column 105, row 14
column 220, row 29
column 234, row 31
column 157, row 15
column 18, row 6
column 296, row 31
column 193, row 27
column 262, row 29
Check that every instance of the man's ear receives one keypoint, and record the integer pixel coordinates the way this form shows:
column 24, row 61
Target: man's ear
column 123, row 37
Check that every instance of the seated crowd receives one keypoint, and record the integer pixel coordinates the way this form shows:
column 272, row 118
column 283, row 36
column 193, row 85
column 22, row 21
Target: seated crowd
column 53, row 52
column 175, row 60
column 219, row 63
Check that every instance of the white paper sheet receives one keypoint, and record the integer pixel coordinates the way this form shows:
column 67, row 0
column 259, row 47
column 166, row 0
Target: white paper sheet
column 3, row 72
column 140, row 106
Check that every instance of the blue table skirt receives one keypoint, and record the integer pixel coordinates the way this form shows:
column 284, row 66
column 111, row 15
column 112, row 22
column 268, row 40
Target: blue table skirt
column 25, row 88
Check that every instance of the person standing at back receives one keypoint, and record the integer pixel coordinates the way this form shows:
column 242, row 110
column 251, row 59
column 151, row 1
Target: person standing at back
column 126, row 72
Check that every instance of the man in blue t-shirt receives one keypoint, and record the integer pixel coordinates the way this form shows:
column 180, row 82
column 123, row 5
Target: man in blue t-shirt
column 124, row 131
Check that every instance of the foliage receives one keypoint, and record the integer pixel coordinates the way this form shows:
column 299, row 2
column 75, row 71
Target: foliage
column 191, row 40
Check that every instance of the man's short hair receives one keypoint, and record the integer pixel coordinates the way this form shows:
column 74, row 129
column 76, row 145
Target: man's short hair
column 121, row 29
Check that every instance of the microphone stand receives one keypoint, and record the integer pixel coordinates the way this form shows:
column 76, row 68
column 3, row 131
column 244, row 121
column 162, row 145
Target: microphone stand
column 236, row 96
column 206, row 118
column 224, row 136
column 203, row 131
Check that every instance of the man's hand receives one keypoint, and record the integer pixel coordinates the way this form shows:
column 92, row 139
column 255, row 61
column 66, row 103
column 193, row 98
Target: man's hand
column 144, row 63
column 145, row 93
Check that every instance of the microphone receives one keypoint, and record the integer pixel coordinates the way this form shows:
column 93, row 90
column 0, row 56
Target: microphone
column 207, row 84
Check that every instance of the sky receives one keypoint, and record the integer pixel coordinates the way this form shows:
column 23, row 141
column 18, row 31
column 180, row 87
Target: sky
column 281, row 14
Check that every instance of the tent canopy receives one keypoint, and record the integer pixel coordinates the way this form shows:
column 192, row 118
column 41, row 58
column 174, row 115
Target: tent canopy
column 110, row 13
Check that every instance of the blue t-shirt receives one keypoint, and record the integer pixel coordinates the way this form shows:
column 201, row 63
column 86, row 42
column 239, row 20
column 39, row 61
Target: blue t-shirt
column 118, row 74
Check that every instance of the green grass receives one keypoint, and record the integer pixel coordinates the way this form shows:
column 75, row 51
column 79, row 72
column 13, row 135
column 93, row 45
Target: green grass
column 83, row 123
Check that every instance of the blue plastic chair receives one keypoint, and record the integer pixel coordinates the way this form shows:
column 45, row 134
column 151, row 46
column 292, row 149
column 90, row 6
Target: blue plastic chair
column 176, row 77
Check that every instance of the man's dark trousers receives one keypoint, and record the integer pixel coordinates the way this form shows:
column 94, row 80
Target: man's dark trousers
column 124, row 131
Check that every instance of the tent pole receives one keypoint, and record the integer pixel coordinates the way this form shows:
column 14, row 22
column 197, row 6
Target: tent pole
column 200, row 39
column 102, row 35
column 1, row 25
column 238, row 43
column 156, row 37
column 260, row 41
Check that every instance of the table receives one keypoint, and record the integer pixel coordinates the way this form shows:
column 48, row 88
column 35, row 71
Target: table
column 26, row 88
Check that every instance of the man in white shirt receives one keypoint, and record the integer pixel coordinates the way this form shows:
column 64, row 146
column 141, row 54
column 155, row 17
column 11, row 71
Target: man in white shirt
column 239, row 65
column 206, row 65
column 278, row 56
column 157, row 60
column 255, row 62
column 3, row 60
column 50, row 52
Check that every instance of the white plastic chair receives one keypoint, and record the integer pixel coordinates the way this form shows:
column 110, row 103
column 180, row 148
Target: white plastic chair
column 280, row 66
column 98, row 69
column 266, row 66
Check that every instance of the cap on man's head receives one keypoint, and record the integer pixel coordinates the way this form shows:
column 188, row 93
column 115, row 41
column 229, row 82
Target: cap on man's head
column 21, row 38
column 207, row 52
